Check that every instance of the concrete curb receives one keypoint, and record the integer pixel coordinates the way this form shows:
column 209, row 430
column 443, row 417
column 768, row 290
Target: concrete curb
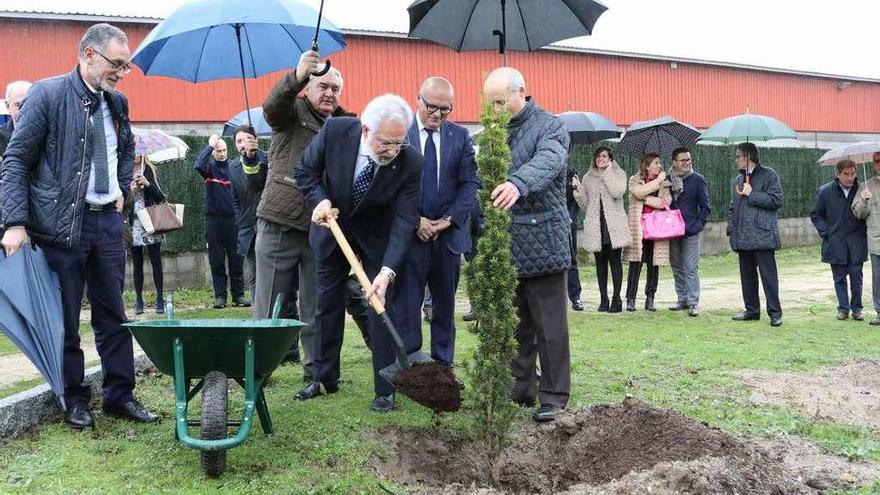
column 27, row 410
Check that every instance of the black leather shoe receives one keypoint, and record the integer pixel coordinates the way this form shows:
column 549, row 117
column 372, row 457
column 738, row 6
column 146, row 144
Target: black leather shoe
column 241, row 302
column 630, row 304
column 139, row 307
column 649, row 304
column 775, row 321
column 616, row 306
column 577, row 305
column 383, row 403
column 546, row 413
column 219, row 303
column 311, row 391
column 604, row 306
column 78, row 417
column 132, row 410
column 746, row 317
column 469, row 316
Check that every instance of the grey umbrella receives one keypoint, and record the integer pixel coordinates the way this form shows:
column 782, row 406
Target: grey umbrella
column 588, row 127
column 523, row 25
column 661, row 136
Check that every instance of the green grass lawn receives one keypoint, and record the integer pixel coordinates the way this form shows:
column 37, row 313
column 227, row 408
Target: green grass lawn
column 324, row 446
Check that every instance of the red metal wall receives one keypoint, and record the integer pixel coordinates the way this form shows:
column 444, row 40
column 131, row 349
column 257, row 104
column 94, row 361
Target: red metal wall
column 624, row 89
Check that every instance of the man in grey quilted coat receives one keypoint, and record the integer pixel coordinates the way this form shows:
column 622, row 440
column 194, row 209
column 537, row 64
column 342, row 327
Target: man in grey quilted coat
column 540, row 244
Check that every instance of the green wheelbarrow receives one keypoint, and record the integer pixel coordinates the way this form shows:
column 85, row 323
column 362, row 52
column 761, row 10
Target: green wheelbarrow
column 209, row 352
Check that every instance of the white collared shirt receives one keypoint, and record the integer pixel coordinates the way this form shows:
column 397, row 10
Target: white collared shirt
column 423, row 138
column 362, row 159
column 113, row 192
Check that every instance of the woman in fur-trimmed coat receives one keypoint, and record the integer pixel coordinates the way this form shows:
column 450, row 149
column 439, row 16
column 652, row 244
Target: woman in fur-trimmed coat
column 648, row 190
column 600, row 195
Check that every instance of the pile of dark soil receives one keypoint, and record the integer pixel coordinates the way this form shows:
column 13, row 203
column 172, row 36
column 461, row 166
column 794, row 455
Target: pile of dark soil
column 431, row 385
column 619, row 449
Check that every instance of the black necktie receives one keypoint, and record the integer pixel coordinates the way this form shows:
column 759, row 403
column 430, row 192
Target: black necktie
column 363, row 181
column 430, row 189
column 99, row 151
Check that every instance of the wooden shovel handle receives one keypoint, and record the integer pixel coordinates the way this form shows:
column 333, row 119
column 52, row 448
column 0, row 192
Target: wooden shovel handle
column 355, row 264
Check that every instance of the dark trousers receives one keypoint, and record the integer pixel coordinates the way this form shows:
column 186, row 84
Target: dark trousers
column 840, row 273
column 99, row 262
column 542, row 332
column 137, row 261
column 574, row 278
column 432, row 264
column 751, row 263
column 223, row 248
column 331, row 277
column 635, row 271
column 605, row 259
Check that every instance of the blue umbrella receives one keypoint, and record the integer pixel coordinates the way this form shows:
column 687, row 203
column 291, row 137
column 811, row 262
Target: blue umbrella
column 31, row 314
column 198, row 41
column 256, row 119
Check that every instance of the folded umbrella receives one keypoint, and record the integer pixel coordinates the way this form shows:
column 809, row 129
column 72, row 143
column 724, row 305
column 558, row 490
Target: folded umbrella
column 661, row 136
column 256, row 119
column 588, row 127
column 31, row 314
column 158, row 145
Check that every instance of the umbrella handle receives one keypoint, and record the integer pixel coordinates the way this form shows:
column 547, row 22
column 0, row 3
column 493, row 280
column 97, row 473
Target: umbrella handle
column 326, row 62
column 739, row 189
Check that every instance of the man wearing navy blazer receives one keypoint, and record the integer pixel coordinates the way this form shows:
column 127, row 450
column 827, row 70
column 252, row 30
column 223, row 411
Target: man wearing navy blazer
column 449, row 194
column 363, row 174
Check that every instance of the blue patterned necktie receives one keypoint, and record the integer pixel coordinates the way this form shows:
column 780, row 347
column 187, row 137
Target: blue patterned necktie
column 99, row 151
column 362, row 182
column 430, row 188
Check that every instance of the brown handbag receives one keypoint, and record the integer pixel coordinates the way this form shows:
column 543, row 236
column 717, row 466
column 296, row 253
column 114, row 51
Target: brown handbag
column 161, row 218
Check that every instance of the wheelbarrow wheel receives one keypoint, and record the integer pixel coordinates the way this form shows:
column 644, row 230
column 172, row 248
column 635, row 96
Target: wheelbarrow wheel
column 214, row 416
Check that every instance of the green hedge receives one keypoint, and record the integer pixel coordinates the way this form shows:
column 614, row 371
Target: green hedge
column 796, row 166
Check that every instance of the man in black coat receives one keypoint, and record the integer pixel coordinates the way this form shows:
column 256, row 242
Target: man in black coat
column 252, row 161
column 66, row 173
column 844, row 237
column 364, row 174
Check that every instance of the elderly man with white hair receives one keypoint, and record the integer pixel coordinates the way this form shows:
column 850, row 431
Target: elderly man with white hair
column 363, row 174
column 15, row 93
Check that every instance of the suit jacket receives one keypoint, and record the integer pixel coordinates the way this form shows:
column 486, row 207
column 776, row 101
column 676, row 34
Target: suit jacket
column 384, row 222
column 458, row 182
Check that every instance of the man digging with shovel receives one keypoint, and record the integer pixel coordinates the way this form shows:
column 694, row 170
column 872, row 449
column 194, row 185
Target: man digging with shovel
column 364, row 180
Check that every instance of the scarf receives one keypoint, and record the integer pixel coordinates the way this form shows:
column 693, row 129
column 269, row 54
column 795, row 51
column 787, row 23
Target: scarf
column 677, row 178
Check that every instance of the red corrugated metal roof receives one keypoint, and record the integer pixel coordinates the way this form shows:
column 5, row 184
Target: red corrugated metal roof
column 624, row 88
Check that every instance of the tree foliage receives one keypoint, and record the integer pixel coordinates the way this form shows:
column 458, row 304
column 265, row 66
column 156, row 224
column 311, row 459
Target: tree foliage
column 492, row 292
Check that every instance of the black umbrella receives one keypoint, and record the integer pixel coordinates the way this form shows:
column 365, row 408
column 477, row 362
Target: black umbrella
column 588, row 127
column 31, row 314
column 661, row 136
column 523, row 25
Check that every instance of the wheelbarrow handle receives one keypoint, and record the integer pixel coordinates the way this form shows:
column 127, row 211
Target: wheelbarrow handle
column 276, row 308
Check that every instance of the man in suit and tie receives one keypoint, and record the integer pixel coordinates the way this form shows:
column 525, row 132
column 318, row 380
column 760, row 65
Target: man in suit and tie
column 449, row 193
column 363, row 174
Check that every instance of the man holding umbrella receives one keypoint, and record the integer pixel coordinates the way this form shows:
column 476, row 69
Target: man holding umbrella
column 282, row 246
column 867, row 207
column 66, row 172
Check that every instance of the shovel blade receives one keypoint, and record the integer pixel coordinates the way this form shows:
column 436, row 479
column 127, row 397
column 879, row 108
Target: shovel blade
column 391, row 371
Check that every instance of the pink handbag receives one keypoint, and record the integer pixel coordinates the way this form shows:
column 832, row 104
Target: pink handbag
column 660, row 225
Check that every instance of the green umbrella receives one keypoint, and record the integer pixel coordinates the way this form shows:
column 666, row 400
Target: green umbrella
column 748, row 127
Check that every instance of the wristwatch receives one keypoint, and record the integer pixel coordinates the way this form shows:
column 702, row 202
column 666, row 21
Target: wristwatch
column 449, row 219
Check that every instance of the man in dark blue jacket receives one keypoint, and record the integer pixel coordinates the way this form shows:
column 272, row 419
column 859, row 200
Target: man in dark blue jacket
column 213, row 165
column 363, row 173
column 844, row 237
column 690, row 195
column 244, row 198
column 449, row 193
column 66, row 172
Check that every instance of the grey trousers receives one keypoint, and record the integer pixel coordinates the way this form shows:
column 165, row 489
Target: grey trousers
column 542, row 306
column 875, row 281
column 280, row 251
column 684, row 258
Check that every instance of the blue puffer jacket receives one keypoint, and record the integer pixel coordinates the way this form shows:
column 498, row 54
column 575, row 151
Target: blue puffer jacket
column 752, row 222
column 48, row 161
column 540, row 231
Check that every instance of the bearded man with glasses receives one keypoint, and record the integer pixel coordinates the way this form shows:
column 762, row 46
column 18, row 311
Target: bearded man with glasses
column 364, row 174
column 66, row 173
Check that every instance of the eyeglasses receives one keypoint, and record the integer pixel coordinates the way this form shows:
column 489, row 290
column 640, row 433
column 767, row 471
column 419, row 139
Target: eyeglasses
column 116, row 65
column 683, row 160
column 392, row 145
column 435, row 108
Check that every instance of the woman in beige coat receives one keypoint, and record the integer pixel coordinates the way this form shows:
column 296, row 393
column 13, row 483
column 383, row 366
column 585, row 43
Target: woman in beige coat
column 648, row 190
column 600, row 195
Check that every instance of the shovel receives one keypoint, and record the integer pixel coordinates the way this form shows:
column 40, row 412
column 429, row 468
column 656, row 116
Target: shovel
column 404, row 361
